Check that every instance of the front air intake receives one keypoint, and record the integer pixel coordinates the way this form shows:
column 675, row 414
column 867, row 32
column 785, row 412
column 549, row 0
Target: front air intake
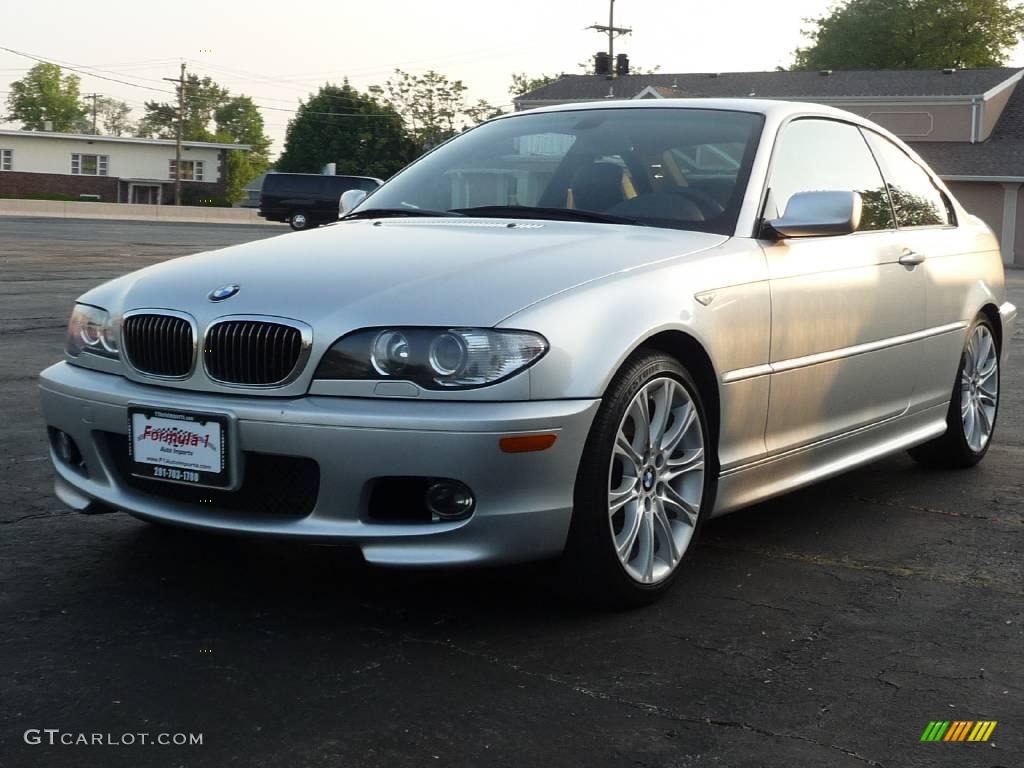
column 159, row 345
column 252, row 352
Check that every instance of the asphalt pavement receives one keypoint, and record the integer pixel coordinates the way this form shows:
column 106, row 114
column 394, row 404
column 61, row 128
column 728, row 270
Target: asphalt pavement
column 824, row 628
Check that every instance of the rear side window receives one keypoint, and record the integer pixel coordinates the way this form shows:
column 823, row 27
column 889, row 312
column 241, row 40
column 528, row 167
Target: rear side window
column 287, row 185
column 825, row 155
column 918, row 202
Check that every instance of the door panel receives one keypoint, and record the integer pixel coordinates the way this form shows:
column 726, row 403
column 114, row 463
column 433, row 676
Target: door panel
column 949, row 265
column 841, row 306
column 835, row 336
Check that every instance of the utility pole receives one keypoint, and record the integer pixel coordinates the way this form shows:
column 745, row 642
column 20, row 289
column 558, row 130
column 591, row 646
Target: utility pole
column 93, row 96
column 613, row 32
column 180, row 81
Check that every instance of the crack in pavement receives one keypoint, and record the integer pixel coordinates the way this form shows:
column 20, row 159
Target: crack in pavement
column 936, row 510
column 889, row 569
column 651, row 709
column 30, row 328
column 35, row 517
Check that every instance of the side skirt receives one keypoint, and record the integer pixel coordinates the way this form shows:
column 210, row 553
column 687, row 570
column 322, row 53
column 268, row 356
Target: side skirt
column 773, row 476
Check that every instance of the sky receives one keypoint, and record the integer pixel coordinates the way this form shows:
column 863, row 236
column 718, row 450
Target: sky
column 279, row 52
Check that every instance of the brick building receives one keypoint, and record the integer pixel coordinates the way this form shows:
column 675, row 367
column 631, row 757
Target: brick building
column 113, row 169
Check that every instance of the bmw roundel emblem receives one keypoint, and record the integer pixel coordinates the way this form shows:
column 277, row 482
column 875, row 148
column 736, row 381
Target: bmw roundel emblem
column 224, row 292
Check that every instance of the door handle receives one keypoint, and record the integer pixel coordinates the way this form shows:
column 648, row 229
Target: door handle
column 911, row 258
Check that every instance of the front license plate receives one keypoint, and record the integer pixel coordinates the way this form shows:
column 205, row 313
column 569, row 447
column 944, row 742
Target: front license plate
column 189, row 448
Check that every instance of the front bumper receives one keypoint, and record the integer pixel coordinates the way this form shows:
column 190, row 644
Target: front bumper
column 1008, row 315
column 523, row 500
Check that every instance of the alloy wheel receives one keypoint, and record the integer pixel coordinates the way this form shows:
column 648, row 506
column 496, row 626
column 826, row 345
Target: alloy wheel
column 656, row 480
column 979, row 388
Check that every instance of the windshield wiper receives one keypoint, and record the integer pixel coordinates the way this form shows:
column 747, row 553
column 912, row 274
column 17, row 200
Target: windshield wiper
column 556, row 214
column 393, row 213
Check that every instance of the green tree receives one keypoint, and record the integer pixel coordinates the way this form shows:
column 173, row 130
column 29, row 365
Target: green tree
column 523, row 83
column 432, row 106
column 341, row 125
column 211, row 113
column 45, row 94
column 203, row 97
column 113, row 116
column 480, row 110
column 912, row 34
column 239, row 121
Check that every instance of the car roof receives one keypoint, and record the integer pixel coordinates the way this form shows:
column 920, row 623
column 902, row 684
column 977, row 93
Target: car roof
column 271, row 174
column 770, row 107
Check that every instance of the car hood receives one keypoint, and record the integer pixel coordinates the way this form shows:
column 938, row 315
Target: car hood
column 466, row 272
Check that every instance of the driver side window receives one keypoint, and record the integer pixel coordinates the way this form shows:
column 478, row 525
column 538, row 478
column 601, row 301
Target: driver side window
column 817, row 155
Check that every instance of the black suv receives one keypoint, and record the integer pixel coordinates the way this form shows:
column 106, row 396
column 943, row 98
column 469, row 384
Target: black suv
column 307, row 200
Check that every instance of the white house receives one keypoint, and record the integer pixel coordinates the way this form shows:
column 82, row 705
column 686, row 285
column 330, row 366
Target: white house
column 112, row 169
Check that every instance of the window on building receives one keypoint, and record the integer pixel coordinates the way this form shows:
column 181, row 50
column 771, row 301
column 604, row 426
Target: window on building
column 89, row 165
column 191, row 170
column 918, row 202
column 6, row 159
column 819, row 155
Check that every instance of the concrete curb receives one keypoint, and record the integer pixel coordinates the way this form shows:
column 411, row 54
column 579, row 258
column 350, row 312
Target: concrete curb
column 126, row 211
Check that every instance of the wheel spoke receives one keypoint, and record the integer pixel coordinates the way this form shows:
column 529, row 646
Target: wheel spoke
column 673, row 501
column 671, row 439
column 984, row 353
column 692, row 461
column 662, row 399
column 988, row 371
column 645, row 556
column 620, row 497
column 984, row 425
column 625, row 449
column 627, row 538
column 663, row 526
column 641, row 416
column 969, row 422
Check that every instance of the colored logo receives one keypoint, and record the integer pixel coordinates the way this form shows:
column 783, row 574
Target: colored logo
column 224, row 292
column 958, row 730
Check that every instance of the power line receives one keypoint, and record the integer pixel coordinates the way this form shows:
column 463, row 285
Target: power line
column 83, row 71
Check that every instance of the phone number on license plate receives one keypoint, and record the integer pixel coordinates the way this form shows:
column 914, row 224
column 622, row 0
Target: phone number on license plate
column 182, row 475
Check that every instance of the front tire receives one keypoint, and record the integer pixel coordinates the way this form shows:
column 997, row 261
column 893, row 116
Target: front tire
column 644, row 485
column 973, row 406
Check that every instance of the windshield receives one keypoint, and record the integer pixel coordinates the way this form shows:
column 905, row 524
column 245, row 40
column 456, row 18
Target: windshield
column 667, row 167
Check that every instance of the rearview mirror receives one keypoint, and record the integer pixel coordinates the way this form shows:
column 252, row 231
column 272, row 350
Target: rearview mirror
column 350, row 198
column 818, row 214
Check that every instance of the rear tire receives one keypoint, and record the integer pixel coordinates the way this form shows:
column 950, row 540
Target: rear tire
column 645, row 482
column 973, row 406
column 299, row 221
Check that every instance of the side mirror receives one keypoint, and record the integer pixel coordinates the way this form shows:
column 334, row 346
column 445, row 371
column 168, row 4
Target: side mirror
column 350, row 198
column 818, row 214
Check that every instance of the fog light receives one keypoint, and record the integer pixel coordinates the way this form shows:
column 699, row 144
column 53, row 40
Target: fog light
column 449, row 499
column 66, row 449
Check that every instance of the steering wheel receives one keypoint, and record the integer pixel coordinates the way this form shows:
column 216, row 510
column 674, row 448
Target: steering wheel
column 707, row 204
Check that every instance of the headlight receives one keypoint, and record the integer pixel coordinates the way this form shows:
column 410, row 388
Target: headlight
column 90, row 330
column 434, row 358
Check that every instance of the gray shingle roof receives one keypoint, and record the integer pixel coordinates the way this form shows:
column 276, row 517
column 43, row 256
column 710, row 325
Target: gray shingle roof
column 1001, row 155
column 781, row 85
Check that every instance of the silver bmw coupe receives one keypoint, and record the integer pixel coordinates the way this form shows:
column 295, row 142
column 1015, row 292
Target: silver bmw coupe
column 576, row 332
